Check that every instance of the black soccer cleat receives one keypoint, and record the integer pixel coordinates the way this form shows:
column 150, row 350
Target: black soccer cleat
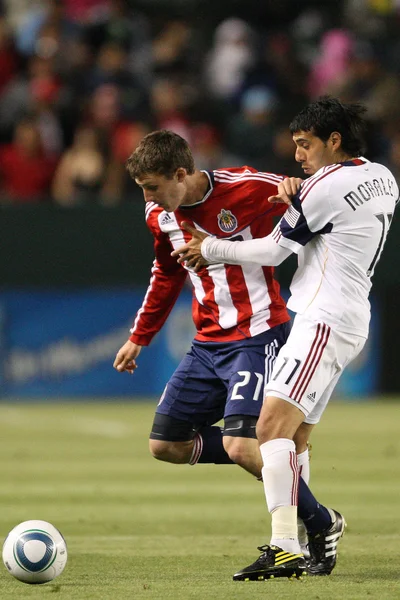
column 323, row 546
column 273, row 562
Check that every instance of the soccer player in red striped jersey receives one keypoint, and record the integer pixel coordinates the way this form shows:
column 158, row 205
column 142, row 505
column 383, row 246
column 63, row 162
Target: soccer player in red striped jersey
column 337, row 224
column 240, row 317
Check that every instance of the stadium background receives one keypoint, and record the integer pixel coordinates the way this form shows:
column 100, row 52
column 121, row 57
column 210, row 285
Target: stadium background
column 81, row 81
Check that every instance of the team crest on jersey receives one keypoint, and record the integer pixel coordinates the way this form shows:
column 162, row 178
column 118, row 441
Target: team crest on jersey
column 227, row 222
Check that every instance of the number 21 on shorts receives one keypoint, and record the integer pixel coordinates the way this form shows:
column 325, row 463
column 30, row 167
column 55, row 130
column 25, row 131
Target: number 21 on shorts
column 246, row 378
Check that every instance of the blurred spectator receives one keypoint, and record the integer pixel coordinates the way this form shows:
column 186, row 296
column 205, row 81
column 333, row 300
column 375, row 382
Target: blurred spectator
column 208, row 150
column 169, row 101
column 86, row 11
column 126, row 137
column 103, row 110
column 18, row 11
column 84, row 172
column 171, row 49
column 122, row 26
column 111, row 68
column 368, row 81
column 364, row 16
column 332, row 64
column 23, row 91
column 231, row 55
column 25, row 171
column 250, row 132
column 45, row 92
column 8, row 57
column 46, row 30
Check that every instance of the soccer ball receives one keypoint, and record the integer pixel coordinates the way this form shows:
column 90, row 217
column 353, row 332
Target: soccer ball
column 35, row 552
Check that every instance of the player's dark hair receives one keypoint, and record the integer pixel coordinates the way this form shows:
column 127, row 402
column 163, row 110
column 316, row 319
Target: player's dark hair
column 161, row 152
column 326, row 115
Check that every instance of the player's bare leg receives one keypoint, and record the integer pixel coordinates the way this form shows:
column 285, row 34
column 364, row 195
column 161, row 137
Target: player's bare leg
column 172, row 452
column 302, row 437
column 244, row 452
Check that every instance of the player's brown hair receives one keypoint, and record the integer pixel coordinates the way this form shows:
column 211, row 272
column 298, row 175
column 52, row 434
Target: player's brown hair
column 161, row 152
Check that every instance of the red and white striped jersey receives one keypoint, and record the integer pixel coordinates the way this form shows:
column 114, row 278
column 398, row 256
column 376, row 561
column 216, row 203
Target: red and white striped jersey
column 230, row 302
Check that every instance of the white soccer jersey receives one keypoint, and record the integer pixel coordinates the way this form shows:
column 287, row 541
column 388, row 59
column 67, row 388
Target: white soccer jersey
column 338, row 225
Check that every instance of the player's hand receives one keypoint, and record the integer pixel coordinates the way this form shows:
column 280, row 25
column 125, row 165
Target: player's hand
column 190, row 253
column 126, row 357
column 286, row 190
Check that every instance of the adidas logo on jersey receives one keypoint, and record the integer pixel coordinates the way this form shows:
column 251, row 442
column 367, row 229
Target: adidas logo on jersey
column 166, row 219
column 312, row 396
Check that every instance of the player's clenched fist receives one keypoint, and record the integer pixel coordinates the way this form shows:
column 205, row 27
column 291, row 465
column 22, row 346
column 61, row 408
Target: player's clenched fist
column 126, row 357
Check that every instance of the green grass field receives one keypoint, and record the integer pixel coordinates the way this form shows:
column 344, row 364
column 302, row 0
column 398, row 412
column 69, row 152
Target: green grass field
column 138, row 528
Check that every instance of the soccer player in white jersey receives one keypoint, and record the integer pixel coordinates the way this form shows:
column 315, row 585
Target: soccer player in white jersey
column 337, row 225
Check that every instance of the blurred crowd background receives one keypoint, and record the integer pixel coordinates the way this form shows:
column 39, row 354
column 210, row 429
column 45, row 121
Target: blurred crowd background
column 82, row 81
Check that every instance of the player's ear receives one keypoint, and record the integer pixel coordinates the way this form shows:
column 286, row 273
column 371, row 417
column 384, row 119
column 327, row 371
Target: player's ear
column 180, row 174
column 336, row 140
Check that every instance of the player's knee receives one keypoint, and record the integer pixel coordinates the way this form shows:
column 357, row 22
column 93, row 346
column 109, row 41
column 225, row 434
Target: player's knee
column 270, row 426
column 160, row 450
column 173, row 452
column 278, row 419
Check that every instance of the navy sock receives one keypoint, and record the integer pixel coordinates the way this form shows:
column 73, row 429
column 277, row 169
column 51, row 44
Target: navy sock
column 211, row 448
column 315, row 516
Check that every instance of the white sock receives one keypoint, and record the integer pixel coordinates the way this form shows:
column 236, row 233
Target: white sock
column 281, row 479
column 303, row 460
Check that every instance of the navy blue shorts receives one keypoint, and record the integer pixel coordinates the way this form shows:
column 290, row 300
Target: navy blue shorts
column 217, row 380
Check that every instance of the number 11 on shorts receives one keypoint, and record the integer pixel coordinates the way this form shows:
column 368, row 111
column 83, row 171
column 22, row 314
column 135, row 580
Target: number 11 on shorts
column 290, row 366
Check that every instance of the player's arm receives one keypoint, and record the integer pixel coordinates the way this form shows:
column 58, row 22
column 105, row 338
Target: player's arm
column 307, row 217
column 264, row 251
column 202, row 250
column 166, row 282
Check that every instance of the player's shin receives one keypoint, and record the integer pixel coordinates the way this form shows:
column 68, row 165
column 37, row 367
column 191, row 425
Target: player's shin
column 281, row 479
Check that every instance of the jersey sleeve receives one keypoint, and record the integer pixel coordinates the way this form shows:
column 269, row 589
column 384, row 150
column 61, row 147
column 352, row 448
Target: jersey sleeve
column 264, row 185
column 166, row 282
column 310, row 214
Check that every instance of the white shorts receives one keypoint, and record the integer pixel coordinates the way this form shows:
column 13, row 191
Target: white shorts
column 309, row 365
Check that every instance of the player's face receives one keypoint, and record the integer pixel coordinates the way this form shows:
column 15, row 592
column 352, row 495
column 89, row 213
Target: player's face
column 313, row 153
column 167, row 193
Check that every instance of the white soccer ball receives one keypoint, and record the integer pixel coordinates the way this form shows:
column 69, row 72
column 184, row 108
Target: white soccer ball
column 35, row 552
